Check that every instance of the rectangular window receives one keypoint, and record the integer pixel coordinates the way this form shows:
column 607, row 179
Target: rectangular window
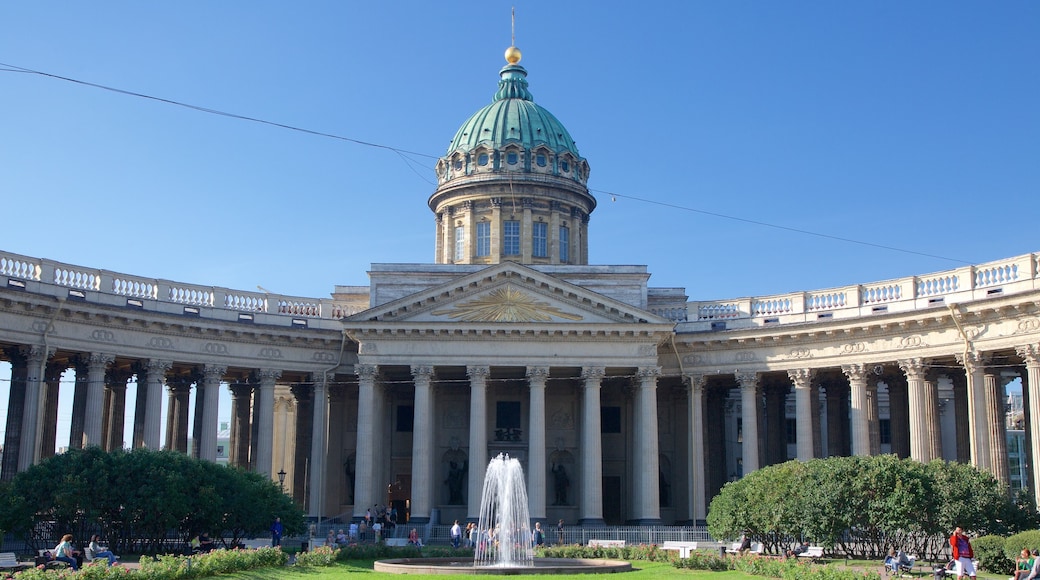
column 885, row 431
column 539, row 239
column 460, row 243
column 507, row 421
column 610, row 419
column 511, row 238
column 405, row 418
column 565, row 244
column 483, row 238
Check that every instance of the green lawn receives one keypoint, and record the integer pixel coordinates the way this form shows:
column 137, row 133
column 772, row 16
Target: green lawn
column 641, row 571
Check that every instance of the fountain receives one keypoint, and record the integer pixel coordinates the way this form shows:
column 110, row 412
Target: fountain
column 504, row 539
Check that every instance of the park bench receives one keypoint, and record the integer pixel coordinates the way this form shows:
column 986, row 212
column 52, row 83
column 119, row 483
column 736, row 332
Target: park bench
column 8, row 561
column 684, row 548
column 594, row 543
column 50, row 562
column 812, row 553
column 397, row 542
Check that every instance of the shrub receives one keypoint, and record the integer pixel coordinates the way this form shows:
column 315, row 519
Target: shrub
column 1014, row 545
column 990, row 552
column 318, row 557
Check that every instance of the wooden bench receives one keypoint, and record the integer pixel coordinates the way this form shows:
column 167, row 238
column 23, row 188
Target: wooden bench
column 8, row 561
column 684, row 548
column 812, row 553
column 594, row 543
column 51, row 564
column 397, row 542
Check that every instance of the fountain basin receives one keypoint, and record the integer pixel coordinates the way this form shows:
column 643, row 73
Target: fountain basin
column 465, row 566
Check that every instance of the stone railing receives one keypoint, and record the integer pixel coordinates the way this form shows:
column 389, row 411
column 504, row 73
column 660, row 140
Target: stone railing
column 78, row 283
column 1013, row 275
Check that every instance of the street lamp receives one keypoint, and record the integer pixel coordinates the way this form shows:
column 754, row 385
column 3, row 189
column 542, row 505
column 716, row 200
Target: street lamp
column 281, row 480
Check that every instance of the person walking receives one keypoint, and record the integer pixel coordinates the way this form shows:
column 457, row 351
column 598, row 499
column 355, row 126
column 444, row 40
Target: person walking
column 962, row 554
column 456, row 535
column 559, row 533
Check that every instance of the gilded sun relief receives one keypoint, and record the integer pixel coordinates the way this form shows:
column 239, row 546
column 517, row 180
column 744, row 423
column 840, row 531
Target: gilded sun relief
column 505, row 305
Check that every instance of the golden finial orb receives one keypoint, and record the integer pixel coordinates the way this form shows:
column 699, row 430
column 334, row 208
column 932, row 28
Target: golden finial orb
column 513, row 55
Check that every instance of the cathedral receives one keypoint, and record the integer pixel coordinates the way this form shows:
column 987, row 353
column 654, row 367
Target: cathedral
column 625, row 403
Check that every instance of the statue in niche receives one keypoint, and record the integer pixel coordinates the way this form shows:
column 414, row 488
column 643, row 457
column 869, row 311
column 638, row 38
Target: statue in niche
column 560, row 484
column 456, row 477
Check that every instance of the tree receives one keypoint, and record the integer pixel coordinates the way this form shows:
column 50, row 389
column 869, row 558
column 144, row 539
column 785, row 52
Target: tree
column 865, row 505
column 141, row 499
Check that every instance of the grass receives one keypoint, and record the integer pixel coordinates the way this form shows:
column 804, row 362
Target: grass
column 640, row 571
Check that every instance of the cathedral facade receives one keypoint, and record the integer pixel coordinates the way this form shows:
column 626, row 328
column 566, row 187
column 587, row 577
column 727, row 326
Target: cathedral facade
column 625, row 403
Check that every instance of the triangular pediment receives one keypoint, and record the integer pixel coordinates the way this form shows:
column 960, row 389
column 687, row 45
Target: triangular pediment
column 505, row 294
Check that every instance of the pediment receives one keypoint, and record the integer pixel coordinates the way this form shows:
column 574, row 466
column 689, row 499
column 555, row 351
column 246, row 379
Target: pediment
column 506, row 294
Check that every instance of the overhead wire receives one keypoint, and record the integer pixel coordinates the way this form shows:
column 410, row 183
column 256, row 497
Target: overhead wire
column 410, row 163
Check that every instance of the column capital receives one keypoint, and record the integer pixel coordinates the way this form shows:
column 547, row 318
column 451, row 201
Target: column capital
column 213, row 373
column 422, row 372
column 154, row 365
column 240, row 389
column 648, row 372
column 593, row 373
column 747, row 379
column 696, row 380
column 802, row 378
column 1030, row 353
column 98, row 359
column 366, row 371
column 268, row 376
column 537, row 374
column 973, row 360
column 914, row 368
column 478, row 372
column 855, row 372
column 36, row 353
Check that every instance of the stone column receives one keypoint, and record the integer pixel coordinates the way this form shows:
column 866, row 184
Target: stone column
column 179, row 389
column 210, row 395
column 422, row 445
column 117, row 379
column 978, row 431
column 697, row 489
column 478, row 459
column 526, row 231
column 920, row 437
column 153, row 402
column 931, row 400
column 15, row 408
column 554, row 231
column 50, row 390
column 265, row 420
column 364, row 483
column 802, row 379
column 29, row 450
column 79, row 401
column 646, row 489
column 858, row 409
column 536, row 489
column 591, row 449
column 960, row 416
column 749, row 419
column 319, row 433
column 874, row 417
column 97, row 364
column 995, row 418
column 303, row 393
column 241, row 395
column 1031, row 354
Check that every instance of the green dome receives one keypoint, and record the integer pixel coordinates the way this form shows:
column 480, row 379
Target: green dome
column 513, row 117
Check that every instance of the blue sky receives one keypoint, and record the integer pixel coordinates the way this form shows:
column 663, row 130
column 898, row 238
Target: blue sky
column 913, row 125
